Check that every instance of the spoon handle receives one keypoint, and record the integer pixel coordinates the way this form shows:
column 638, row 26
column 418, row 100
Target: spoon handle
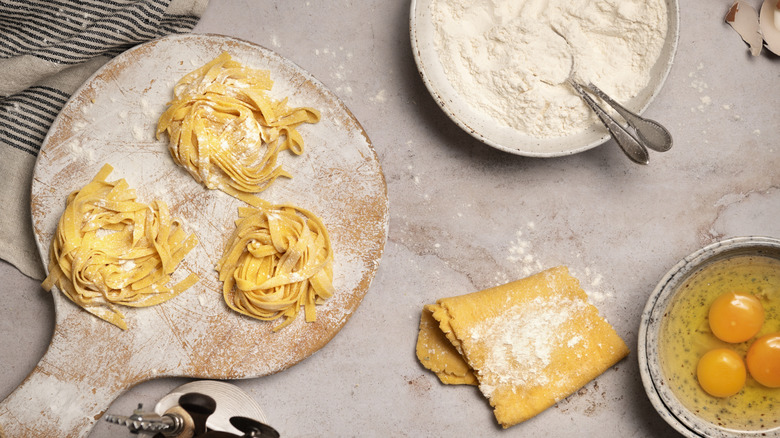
column 652, row 133
column 630, row 145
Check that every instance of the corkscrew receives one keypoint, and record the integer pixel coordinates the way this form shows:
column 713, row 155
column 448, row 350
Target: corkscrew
column 188, row 420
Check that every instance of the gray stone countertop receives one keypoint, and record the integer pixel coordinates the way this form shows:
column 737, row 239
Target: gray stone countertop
column 464, row 217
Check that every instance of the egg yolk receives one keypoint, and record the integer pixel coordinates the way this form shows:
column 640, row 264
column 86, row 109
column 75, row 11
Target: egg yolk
column 736, row 317
column 763, row 360
column 721, row 372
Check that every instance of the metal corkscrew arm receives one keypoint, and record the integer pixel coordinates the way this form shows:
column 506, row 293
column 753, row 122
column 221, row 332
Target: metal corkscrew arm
column 186, row 421
column 141, row 421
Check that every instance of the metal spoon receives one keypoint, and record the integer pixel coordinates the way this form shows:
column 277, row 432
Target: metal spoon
column 650, row 132
column 631, row 146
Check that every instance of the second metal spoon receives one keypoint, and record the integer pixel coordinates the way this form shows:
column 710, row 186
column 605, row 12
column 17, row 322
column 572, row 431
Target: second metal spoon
column 650, row 132
column 630, row 145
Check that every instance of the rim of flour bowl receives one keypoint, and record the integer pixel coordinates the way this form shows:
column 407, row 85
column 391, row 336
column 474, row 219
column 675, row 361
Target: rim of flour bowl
column 660, row 394
column 488, row 130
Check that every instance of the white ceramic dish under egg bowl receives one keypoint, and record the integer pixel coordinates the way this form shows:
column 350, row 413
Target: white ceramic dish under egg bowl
column 658, row 391
column 489, row 130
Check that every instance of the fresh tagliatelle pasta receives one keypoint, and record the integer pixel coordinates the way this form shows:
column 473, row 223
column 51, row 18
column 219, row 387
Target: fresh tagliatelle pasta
column 225, row 129
column 279, row 259
column 111, row 250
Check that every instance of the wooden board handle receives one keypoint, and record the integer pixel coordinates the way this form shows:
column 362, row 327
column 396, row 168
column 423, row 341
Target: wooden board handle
column 66, row 393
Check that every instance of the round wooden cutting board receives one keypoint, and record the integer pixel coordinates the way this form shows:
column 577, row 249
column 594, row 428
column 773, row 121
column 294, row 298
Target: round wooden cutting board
column 112, row 119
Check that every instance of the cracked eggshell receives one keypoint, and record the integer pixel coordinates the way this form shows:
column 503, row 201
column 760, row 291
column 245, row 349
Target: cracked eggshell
column 743, row 18
column 770, row 25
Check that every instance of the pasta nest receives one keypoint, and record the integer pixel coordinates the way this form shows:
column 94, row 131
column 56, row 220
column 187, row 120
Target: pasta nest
column 111, row 250
column 279, row 259
column 225, row 129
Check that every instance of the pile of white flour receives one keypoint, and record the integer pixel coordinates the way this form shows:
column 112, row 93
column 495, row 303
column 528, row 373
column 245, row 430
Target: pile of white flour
column 510, row 58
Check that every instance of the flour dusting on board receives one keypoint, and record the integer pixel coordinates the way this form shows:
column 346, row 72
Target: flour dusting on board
column 64, row 402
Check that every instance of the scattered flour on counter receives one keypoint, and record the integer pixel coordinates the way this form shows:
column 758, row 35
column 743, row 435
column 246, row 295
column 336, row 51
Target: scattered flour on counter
column 701, row 86
column 338, row 73
column 705, row 101
column 521, row 252
column 696, row 82
column 380, row 97
column 510, row 59
column 591, row 284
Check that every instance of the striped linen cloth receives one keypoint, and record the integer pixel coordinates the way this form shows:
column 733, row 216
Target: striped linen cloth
column 48, row 48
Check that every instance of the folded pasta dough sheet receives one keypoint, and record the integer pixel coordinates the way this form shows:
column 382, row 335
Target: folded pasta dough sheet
column 531, row 342
column 437, row 354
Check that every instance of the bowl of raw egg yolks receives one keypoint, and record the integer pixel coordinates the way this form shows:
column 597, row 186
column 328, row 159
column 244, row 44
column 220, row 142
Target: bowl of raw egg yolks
column 709, row 341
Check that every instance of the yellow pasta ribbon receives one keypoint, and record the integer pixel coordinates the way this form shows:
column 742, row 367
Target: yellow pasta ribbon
column 225, row 129
column 279, row 259
column 111, row 250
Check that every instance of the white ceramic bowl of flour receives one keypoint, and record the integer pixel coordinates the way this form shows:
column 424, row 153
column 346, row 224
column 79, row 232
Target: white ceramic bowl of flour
column 520, row 103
